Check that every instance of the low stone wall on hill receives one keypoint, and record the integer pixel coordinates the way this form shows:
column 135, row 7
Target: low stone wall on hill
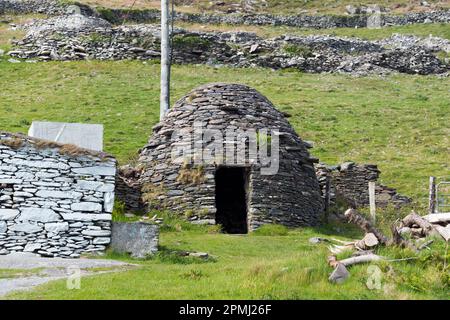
column 75, row 37
column 120, row 16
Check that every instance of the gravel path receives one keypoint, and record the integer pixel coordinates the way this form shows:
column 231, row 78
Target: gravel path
column 52, row 269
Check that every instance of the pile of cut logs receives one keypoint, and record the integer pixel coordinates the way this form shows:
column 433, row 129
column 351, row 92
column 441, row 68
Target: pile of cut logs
column 415, row 226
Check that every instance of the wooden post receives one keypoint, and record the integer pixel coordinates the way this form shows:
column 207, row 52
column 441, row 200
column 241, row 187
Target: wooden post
column 372, row 201
column 165, row 60
column 327, row 195
column 432, row 196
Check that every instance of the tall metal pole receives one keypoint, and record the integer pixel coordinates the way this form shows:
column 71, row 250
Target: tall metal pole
column 165, row 60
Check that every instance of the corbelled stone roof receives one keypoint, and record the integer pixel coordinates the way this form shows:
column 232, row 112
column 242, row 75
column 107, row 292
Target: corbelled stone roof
column 290, row 197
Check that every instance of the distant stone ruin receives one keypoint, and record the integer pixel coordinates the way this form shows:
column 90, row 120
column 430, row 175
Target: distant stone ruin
column 76, row 37
column 349, row 185
column 55, row 200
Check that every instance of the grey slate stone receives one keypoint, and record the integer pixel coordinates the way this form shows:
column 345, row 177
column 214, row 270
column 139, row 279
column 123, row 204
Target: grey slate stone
column 38, row 215
column 8, row 214
column 137, row 238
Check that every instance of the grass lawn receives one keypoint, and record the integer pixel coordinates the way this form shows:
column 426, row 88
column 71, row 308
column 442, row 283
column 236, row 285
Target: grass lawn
column 270, row 264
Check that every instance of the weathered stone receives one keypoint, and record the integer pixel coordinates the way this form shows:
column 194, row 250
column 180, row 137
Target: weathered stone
column 96, row 171
column 57, row 227
column 54, row 194
column 31, row 247
column 101, row 241
column 95, row 186
column 108, row 201
column 88, row 136
column 8, row 214
column 96, row 233
column 11, row 181
column 25, row 227
column 38, row 215
column 86, row 217
column 3, row 227
column 139, row 239
column 86, row 206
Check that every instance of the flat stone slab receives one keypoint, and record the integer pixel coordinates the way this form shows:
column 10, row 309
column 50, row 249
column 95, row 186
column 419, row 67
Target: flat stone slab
column 23, row 260
column 87, row 136
column 139, row 239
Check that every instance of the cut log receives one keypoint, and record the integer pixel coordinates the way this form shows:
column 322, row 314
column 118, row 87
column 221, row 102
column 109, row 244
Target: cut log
column 352, row 216
column 362, row 253
column 368, row 242
column 414, row 219
column 332, row 261
column 438, row 217
column 335, row 249
column 398, row 240
column 361, row 259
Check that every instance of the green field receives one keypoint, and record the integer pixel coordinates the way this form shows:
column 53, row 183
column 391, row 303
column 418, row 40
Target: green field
column 441, row 30
column 400, row 122
column 269, row 264
column 273, row 6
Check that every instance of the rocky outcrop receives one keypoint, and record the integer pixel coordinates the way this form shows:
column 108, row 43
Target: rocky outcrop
column 54, row 200
column 119, row 16
column 76, row 37
column 349, row 184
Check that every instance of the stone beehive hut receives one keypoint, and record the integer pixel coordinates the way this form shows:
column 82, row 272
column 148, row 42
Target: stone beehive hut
column 55, row 200
column 237, row 195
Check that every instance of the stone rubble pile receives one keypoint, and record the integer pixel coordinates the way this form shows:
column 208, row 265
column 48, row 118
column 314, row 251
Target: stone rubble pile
column 350, row 183
column 75, row 37
column 401, row 41
column 51, row 7
column 358, row 16
column 51, row 203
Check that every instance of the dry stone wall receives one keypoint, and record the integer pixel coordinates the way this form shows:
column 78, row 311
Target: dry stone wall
column 76, row 37
column 53, row 203
column 119, row 16
column 349, row 183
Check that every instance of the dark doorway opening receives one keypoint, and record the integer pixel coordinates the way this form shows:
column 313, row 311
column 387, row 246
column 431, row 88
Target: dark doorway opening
column 231, row 203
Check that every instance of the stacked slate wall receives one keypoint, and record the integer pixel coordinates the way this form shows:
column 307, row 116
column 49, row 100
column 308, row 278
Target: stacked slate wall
column 350, row 184
column 54, row 200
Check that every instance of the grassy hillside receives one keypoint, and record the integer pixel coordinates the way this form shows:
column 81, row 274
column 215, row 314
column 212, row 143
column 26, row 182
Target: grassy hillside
column 273, row 6
column 272, row 263
column 441, row 30
column 398, row 122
